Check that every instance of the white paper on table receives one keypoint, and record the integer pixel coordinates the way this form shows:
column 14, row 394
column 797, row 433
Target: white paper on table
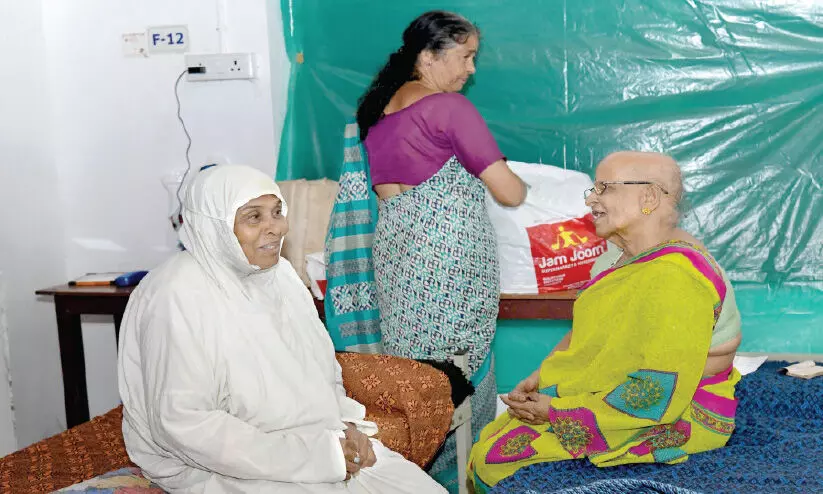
column 747, row 365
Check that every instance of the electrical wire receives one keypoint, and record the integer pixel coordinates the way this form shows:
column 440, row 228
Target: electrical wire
column 188, row 148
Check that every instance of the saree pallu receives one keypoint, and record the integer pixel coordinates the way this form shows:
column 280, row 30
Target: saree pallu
column 438, row 285
column 629, row 387
column 352, row 315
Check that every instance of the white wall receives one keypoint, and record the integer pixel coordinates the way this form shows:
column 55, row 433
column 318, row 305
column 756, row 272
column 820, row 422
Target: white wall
column 115, row 135
column 31, row 229
column 8, row 440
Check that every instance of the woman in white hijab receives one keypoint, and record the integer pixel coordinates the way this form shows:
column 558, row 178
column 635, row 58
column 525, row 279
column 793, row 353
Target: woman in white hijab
column 228, row 378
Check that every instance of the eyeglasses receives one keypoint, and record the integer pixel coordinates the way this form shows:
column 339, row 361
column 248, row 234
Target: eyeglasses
column 600, row 187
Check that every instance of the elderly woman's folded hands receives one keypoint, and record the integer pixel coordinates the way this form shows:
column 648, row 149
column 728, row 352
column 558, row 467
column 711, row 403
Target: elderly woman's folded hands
column 526, row 403
column 358, row 451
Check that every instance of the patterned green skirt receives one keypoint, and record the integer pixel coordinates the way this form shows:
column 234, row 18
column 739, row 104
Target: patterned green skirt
column 438, row 285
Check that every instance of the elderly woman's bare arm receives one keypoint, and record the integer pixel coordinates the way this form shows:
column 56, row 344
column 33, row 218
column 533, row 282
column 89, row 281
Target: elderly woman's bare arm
column 563, row 344
column 531, row 383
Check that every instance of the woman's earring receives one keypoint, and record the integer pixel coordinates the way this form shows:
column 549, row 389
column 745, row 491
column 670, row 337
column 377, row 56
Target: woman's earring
column 646, row 211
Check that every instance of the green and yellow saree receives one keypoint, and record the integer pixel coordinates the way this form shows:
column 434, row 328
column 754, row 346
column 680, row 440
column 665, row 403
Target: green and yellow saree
column 630, row 388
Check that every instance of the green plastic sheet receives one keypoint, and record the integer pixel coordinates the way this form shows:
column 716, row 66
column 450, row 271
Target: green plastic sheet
column 731, row 88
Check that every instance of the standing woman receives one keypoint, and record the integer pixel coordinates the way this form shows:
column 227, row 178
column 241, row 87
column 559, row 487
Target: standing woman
column 431, row 158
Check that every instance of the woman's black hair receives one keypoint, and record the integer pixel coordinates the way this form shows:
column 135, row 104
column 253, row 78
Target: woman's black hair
column 435, row 31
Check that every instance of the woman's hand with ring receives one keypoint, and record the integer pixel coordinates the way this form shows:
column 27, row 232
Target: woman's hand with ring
column 365, row 452
column 350, row 453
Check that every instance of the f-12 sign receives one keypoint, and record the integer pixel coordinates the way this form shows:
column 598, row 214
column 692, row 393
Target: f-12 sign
column 168, row 39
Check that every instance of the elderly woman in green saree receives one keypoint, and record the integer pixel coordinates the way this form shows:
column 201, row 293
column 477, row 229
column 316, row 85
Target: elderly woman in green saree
column 646, row 373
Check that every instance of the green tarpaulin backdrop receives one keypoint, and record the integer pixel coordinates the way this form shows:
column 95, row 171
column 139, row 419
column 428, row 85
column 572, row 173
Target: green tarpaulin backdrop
column 731, row 88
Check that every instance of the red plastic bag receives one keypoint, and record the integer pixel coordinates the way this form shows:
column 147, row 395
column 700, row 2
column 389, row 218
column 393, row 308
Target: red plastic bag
column 564, row 252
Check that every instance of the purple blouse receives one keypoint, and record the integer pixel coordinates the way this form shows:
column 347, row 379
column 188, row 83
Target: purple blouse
column 411, row 145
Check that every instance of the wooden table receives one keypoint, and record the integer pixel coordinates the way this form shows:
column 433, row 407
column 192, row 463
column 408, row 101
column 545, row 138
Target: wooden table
column 70, row 302
column 555, row 305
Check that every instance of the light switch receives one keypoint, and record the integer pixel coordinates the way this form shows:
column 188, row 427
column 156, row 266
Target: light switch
column 134, row 45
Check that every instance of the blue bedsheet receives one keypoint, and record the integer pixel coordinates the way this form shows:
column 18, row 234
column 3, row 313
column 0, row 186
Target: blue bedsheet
column 777, row 448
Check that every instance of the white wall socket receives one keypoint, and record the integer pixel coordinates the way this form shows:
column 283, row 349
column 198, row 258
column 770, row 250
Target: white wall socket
column 219, row 66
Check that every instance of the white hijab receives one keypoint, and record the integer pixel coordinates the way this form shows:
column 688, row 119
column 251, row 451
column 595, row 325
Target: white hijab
column 211, row 204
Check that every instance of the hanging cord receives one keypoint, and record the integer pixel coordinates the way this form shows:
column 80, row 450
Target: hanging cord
column 177, row 220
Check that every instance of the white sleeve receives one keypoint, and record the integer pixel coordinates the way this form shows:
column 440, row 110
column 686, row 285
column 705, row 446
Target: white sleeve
column 351, row 410
column 185, row 419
